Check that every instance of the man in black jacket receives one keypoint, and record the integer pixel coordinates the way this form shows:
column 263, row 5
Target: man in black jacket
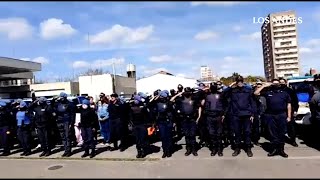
column 242, row 108
column 115, row 114
column 139, row 116
column 295, row 107
column 43, row 116
column 65, row 112
column 87, row 124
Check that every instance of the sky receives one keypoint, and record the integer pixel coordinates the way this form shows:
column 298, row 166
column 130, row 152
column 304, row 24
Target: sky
column 178, row 37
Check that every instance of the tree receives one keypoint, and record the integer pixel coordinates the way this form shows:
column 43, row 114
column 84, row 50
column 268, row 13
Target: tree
column 91, row 72
column 307, row 74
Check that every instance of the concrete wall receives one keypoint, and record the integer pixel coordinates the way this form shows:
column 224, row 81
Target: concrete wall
column 53, row 89
column 94, row 85
column 125, row 85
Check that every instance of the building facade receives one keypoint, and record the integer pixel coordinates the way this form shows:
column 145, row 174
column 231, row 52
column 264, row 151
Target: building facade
column 280, row 45
column 205, row 73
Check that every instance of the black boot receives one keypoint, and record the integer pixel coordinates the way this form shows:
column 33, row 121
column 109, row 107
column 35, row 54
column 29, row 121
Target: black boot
column 164, row 155
column 93, row 153
column 188, row 151
column 236, row 152
column 139, row 154
column 48, row 153
column 249, row 152
column 194, row 151
column 42, row 154
column 214, row 152
column 282, row 153
column 220, row 154
column 68, row 154
column 86, row 153
column 274, row 152
column 169, row 153
column 294, row 143
column 28, row 153
column 5, row 153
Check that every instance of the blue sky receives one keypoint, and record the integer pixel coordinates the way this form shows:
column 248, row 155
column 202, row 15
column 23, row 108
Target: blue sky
column 179, row 37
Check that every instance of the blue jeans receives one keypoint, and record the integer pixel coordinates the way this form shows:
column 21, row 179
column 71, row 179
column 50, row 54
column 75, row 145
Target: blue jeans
column 105, row 130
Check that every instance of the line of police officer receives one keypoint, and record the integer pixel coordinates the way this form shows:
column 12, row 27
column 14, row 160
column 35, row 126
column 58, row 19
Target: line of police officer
column 235, row 109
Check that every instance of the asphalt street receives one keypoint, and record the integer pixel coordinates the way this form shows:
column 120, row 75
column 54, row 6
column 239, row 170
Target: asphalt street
column 303, row 162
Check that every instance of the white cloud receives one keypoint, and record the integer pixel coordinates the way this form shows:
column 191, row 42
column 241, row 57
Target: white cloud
column 305, row 50
column 122, row 34
column 313, row 42
column 205, row 35
column 16, row 28
column 41, row 60
column 55, row 28
column 100, row 63
column 159, row 59
column 213, row 3
column 237, row 28
column 80, row 64
column 253, row 36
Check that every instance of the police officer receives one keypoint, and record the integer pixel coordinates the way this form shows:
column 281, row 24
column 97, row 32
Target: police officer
column 177, row 112
column 242, row 112
column 43, row 116
column 315, row 104
column 139, row 116
column 65, row 112
column 295, row 106
column 6, row 125
column 88, row 123
column 165, row 122
column 189, row 111
column 277, row 114
column 24, row 128
column 115, row 115
column 214, row 113
column 258, row 124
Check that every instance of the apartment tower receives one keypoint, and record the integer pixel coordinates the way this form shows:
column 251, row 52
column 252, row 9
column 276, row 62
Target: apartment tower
column 206, row 73
column 280, row 45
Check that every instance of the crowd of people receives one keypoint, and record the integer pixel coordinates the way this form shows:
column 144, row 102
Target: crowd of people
column 236, row 115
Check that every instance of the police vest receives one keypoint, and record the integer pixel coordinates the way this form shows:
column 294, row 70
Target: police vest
column 163, row 111
column 212, row 105
column 187, row 107
column 137, row 113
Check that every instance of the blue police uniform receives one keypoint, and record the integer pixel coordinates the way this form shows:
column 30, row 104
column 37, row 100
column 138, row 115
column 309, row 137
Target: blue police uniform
column 139, row 116
column 275, row 116
column 189, row 125
column 43, row 114
column 24, row 128
column 165, row 123
column 65, row 112
column 242, row 107
column 214, row 111
column 88, row 121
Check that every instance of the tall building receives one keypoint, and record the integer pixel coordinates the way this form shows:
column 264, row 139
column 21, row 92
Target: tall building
column 206, row 73
column 280, row 45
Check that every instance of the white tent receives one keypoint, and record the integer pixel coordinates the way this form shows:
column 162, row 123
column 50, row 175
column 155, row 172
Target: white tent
column 163, row 81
